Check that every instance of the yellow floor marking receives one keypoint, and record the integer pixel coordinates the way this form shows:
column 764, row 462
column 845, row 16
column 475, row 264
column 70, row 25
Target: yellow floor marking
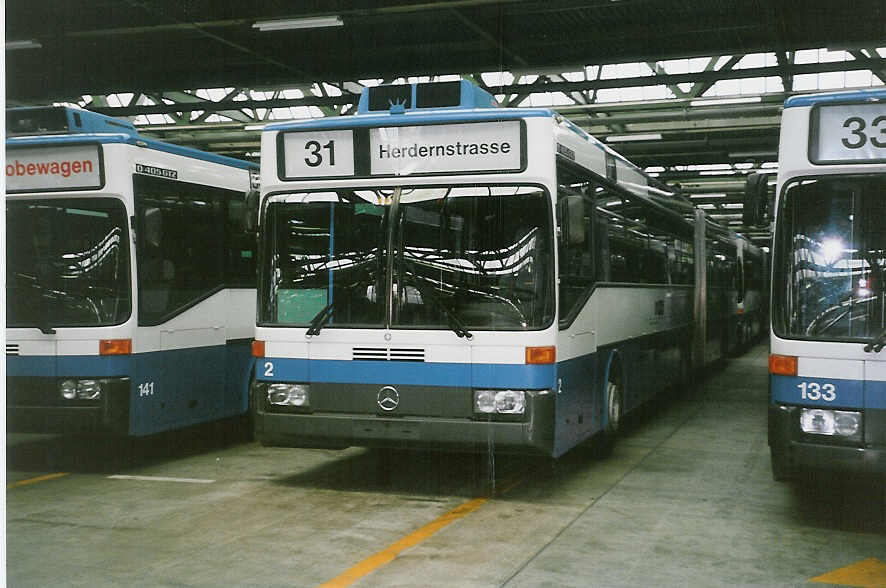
column 388, row 554
column 30, row 481
column 870, row 573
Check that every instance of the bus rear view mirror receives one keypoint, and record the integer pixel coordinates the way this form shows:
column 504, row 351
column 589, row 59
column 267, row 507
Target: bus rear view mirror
column 755, row 209
column 153, row 227
column 575, row 219
column 251, row 219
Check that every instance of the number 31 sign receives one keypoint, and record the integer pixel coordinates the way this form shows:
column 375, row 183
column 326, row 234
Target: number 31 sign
column 318, row 154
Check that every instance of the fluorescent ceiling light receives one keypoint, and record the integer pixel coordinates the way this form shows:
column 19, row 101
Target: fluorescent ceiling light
column 26, row 44
column 315, row 22
column 720, row 101
column 638, row 137
column 717, row 195
column 253, row 127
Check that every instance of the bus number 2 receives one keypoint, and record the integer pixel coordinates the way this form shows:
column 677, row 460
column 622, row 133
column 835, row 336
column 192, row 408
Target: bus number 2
column 816, row 391
column 146, row 389
column 315, row 155
column 269, row 368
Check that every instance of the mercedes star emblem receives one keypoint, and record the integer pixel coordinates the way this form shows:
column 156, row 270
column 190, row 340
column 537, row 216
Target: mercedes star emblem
column 388, row 399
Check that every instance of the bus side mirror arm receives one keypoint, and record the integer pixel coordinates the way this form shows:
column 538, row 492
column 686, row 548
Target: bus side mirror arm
column 251, row 221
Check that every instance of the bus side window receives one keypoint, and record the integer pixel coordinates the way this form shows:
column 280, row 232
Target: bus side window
column 240, row 249
column 180, row 254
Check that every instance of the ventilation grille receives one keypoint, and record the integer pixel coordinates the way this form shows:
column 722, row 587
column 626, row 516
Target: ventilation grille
column 388, row 354
column 12, row 349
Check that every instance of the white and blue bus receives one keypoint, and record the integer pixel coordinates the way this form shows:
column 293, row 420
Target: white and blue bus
column 437, row 272
column 828, row 376
column 130, row 285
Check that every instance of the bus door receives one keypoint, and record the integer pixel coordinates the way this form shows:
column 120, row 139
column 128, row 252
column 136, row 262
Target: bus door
column 875, row 400
column 181, row 301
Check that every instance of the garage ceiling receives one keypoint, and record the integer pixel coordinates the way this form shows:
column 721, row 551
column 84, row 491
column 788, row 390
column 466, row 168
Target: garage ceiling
column 161, row 52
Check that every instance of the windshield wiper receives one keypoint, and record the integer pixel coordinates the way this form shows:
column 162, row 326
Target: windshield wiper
column 877, row 344
column 46, row 329
column 320, row 320
column 453, row 321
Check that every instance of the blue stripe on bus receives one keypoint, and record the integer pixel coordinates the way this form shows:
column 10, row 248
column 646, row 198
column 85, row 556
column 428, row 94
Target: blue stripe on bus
column 389, row 120
column 535, row 377
column 72, row 365
column 789, row 390
column 836, row 97
column 875, row 395
column 103, row 138
column 168, row 389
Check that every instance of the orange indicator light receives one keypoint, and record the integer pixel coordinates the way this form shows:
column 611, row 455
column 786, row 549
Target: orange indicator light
column 541, row 355
column 783, row 365
column 115, row 347
column 258, row 348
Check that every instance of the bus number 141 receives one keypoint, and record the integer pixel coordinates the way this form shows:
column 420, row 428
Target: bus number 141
column 816, row 391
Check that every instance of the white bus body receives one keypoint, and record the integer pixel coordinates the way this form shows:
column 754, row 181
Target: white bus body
column 450, row 275
column 130, row 280
column 828, row 378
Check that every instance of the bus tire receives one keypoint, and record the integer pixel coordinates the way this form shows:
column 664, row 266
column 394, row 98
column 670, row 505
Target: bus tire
column 614, row 409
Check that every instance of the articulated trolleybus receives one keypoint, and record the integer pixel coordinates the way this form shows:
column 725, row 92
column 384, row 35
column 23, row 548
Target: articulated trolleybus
column 130, row 286
column 828, row 372
column 440, row 273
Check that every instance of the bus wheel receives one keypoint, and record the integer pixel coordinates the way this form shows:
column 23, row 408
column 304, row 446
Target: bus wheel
column 614, row 405
column 614, row 411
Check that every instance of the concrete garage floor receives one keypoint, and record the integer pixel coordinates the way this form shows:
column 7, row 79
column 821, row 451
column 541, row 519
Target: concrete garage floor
column 687, row 499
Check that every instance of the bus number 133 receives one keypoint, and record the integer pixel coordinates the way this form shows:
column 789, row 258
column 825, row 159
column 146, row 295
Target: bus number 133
column 816, row 391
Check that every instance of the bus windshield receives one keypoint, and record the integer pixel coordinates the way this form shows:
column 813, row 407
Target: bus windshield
column 468, row 257
column 67, row 263
column 831, row 255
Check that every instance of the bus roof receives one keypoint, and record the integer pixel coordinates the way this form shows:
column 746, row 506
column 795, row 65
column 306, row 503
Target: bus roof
column 106, row 138
column 412, row 118
column 63, row 125
column 872, row 95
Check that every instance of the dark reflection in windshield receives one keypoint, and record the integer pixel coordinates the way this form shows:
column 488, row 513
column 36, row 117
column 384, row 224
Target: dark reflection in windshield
column 471, row 257
column 831, row 259
column 67, row 263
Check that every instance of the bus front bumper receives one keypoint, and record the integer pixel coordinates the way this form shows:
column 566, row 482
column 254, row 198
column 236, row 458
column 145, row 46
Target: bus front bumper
column 34, row 406
column 804, row 454
column 348, row 426
column 341, row 431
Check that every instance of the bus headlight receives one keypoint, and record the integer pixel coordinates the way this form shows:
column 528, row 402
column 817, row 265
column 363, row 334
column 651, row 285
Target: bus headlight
column 80, row 389
column 288, row 395
column 817, row 421
column 68, row 389
column 89, row 389
column 499, row 401
column 847, row 423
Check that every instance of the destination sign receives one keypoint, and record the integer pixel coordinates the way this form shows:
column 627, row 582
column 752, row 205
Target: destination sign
column 436, row 149
column 846, row 133
column 56, row 167
column 398, row 151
